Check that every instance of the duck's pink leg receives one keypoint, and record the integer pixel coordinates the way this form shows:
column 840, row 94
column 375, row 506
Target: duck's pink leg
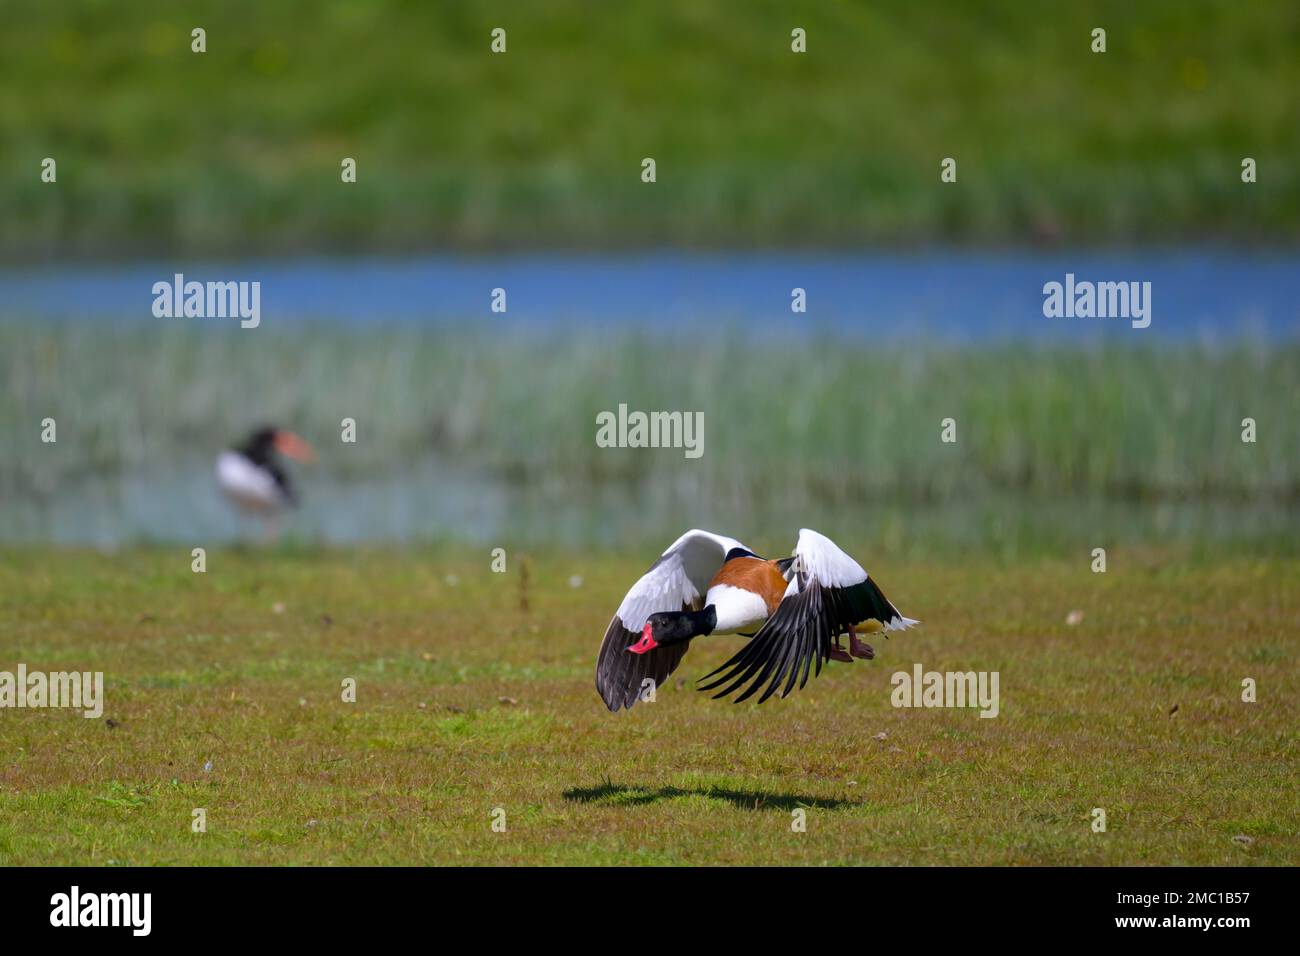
column 858, row 648
column 838, row 653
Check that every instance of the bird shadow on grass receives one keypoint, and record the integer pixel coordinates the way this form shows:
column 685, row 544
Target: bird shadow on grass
column 612, row 794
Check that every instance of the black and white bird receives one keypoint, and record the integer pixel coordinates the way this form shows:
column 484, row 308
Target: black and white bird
column 252, row 475
column 793, row 611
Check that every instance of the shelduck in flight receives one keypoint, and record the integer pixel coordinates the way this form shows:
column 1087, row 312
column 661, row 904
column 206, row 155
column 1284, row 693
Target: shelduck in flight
column 793, row 610
column 252, row 475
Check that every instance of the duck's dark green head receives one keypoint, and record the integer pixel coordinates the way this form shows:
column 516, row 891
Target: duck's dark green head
column 672, row 627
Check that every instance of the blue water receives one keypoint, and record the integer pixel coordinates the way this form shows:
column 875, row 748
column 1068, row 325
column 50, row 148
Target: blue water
column 963, row 296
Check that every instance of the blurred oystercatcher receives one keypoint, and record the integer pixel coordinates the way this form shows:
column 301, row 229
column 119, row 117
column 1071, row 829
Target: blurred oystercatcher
column 253, row 477
column 793, row 610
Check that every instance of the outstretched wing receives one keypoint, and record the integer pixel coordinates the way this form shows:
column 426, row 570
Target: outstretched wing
column 677, row 581
column 828, row 592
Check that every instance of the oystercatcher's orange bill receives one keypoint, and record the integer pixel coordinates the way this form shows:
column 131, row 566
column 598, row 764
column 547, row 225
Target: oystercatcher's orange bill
column 287, row 443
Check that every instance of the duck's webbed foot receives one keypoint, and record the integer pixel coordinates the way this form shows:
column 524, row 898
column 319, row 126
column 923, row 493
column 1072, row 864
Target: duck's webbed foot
column 860, row 648
column 838, row 653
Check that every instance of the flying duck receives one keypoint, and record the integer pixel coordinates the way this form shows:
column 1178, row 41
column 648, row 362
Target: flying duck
column 792, row 609
column 252, row 475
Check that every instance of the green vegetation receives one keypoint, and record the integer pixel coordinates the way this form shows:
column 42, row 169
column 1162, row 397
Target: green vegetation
column 239, row 149
column 1158, row 423
column 475, row 692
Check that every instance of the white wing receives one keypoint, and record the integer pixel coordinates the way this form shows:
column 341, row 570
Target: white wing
column 821, row 559
column 678, row 580
column 828, row 593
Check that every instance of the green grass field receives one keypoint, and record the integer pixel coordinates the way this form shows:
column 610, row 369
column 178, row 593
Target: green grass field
column 475, row 691
column 238, row 150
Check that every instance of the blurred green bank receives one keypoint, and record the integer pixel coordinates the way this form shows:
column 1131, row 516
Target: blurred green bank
column 238, row 149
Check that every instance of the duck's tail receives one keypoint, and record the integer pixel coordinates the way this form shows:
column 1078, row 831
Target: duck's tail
column 880, row 609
